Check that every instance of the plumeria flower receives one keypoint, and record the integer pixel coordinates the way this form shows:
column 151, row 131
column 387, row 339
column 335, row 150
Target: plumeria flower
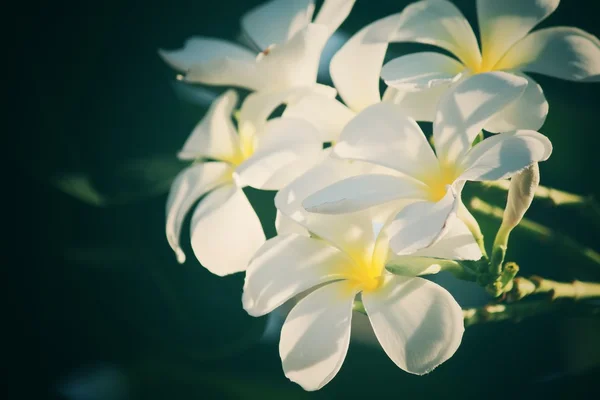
column 337, row 258
column 289, row 44
column 383, row 135
column 225, row 230
column 507, row 44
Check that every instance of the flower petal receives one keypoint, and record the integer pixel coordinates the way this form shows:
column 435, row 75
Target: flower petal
column 415, row 72
column 285, row 225
column 464, row 110
column 225, row 231
column 561, row 52
column 333, row 12
column 418, row 323
column 287, row 148
column 514, row 117
column 286, row 266
column 422, row 224
column 457, row 243
column 200, row 50
column 276, row 21
column 383, row 135
column 214, row 136
column 328, row 115
column 363, row 191
column 503, row 23
column 191, row 184
column 439, row 23
column 258, row 106
column 421, row 105
column 294, row 63
column 316, row 334
column 502, row 155
column 355, row 68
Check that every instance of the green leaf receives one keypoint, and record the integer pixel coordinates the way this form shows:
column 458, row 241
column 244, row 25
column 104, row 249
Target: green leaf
column 132, row 181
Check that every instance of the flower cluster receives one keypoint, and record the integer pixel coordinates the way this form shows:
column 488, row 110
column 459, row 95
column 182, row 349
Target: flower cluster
column 381, row 194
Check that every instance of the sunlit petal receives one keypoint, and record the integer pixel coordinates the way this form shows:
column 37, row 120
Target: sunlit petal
column 316, row 334
column 214, row 136
column 286, row 266
column 418, row 323
column 503, row 23
column 225, row 231
column 503, row 155
column 191, row 184
column 464, row 110
column 561, row 52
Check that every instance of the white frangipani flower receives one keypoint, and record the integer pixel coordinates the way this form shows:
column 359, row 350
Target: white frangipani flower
column 418, row 323
column 289, row 44
column 507, row 44
column 383, row 135
column 225, row 231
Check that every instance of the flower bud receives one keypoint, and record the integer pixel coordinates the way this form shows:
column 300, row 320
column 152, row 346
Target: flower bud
column 520, row 195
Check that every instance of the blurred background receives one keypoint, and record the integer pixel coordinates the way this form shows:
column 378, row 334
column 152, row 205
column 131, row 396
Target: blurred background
column 99, row 308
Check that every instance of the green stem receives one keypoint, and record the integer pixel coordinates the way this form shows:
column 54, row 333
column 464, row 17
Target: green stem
column 539, row 231
column 519, row 311
column 576, row 290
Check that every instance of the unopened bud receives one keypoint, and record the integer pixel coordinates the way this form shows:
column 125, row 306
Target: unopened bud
column 520, row 195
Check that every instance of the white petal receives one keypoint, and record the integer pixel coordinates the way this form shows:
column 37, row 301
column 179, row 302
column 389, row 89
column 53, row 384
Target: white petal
column 527, row 112
column 276, row 21
column 328, row 115
column 464, row 110
column 502, row 155
column 285, row 225
column 360, row 192
column 421, row 105
column 201, row 50
column 421, row 224
column 225, row 231
column 561, row 52
column 383, row 135
column 286, row 266
column 191, row 184
column 294, row 63
column 333, row 12
column 315, row 336
column 355, row 68
column 418, row 323
column 286, row 149
column 258, row 106
column 457, row 243
column 503, row 23
column 439, row 23
column 415, row 72
column 214, row 136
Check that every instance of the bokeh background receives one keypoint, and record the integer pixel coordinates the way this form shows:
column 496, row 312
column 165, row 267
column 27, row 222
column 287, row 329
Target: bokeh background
column 98, row 307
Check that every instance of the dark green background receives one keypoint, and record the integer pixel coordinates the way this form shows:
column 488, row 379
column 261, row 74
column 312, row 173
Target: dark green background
column 98, row 308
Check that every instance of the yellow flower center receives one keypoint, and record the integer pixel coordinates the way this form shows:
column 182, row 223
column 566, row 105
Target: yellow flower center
column 438, row 180
column 366, row 273
column 247, row 146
